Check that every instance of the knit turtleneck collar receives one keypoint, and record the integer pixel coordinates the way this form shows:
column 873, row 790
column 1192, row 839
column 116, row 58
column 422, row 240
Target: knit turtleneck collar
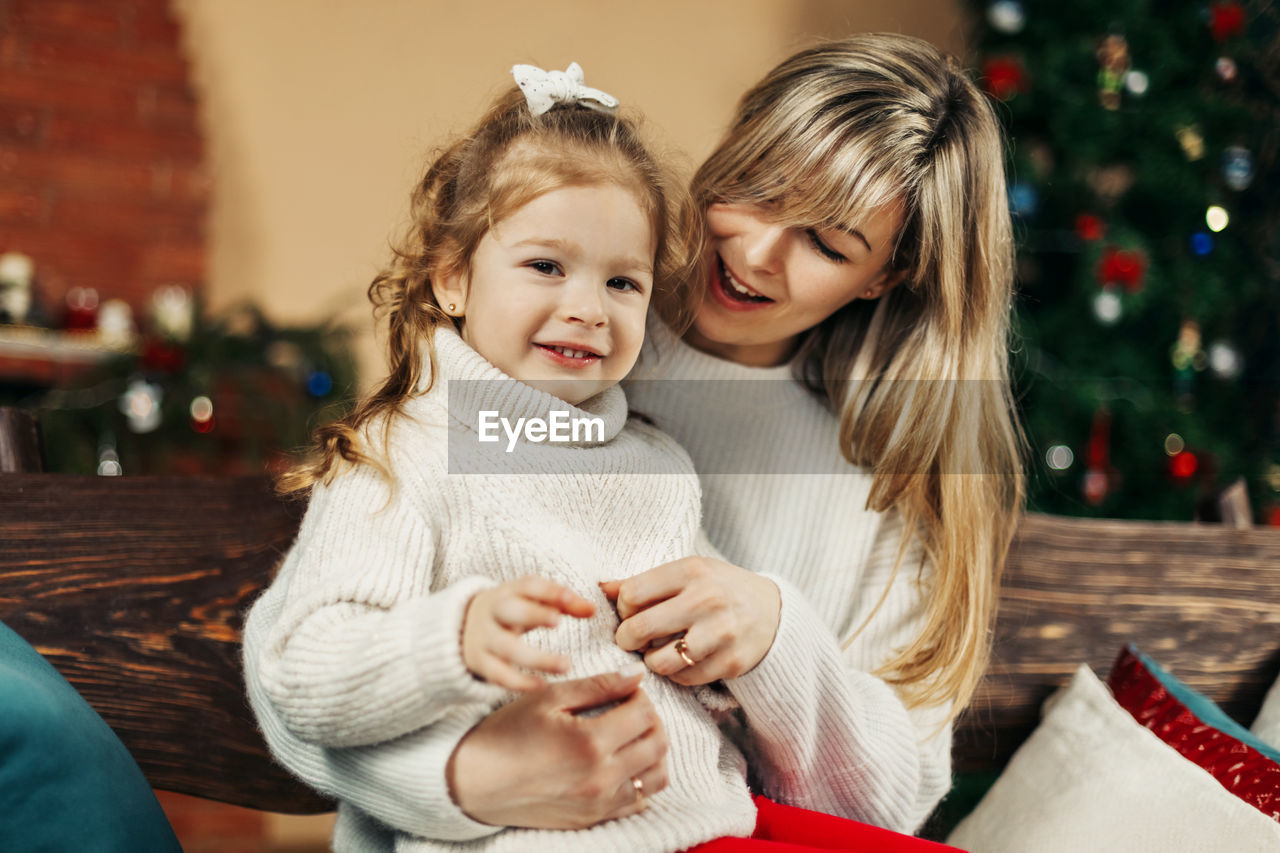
column 667, row 356
column 471, row 385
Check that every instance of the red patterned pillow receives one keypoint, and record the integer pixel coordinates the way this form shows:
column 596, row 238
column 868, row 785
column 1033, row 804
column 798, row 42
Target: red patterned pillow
column 1198, row 730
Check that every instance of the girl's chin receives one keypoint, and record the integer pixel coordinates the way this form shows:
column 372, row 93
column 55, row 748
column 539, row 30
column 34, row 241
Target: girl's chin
column 571, row 391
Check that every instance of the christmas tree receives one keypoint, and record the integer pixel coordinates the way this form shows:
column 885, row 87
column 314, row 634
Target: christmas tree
column 1146, row 196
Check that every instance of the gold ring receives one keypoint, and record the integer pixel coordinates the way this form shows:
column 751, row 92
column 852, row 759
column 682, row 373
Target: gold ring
column 682, row 649
column 638, row 784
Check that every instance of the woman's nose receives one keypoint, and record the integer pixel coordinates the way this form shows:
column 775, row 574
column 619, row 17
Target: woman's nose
column 762, row 247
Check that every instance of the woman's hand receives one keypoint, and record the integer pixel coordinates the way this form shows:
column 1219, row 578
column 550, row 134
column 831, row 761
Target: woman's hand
column 723, row 617
column 497, row 618
column 541, row 762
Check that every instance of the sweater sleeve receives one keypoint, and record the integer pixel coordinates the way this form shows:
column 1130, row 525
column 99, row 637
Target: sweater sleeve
column 830, row 736
column 359, row 650
column 401, row 783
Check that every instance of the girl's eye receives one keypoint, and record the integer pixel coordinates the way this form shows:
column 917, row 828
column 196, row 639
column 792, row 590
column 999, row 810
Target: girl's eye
column 546, row 267
column 823, row 249
column 623, row 284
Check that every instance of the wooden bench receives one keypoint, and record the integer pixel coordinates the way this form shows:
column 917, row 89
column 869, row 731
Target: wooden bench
column 135, row 589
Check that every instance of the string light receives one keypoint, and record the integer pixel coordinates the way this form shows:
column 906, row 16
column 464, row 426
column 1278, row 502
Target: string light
column 1216, row 218
column 1059, row 457
column 202, row 414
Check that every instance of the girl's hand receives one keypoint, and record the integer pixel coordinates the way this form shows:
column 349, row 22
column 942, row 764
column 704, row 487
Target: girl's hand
column 539, row 762
column 723, row 617
column 497, row 618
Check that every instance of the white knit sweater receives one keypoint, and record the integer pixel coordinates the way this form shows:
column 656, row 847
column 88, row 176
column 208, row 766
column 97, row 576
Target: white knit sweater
column 353, row 658
column 779, row 498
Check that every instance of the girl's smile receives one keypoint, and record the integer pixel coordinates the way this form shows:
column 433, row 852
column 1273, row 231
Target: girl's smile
column 569, row 356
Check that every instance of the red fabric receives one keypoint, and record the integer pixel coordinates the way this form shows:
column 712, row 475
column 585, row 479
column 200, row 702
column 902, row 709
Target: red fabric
column 1238, row 767
column 786, row 829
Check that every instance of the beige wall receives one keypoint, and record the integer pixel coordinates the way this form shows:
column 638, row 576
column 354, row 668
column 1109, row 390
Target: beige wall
column 319, row 112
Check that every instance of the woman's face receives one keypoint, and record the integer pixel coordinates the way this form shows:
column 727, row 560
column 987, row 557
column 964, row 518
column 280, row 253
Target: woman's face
column 770, row 282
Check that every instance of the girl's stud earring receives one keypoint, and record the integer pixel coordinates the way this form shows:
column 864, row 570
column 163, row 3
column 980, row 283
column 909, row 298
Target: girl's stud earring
column 452, row 307
column 870, row 293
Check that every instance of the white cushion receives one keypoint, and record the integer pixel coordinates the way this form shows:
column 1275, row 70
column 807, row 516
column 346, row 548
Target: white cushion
column 1267, row 726
column 1091, row 778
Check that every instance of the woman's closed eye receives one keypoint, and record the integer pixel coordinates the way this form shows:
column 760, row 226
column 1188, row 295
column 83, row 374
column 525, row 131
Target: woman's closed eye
column 546, row 267
column 823, row 249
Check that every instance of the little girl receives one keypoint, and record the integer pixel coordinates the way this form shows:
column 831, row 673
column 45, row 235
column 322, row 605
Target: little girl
column 445, row 524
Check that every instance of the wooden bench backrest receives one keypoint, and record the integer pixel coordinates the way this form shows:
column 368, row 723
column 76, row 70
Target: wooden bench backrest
column 1203, row 600
column 135, row 588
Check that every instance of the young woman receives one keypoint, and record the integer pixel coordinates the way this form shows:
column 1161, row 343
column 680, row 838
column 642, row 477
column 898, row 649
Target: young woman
column 859, row 266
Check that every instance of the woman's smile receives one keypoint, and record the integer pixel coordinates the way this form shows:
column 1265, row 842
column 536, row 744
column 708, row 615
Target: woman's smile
column 732, row 291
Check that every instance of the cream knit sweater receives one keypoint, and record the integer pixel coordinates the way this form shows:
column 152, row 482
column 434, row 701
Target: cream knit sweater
column 778, row 498
column 354, row 649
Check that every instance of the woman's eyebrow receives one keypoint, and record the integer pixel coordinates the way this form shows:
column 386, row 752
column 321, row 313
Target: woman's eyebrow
column 854, row 232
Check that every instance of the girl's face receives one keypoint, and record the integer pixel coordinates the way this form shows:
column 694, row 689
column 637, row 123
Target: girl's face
column 556, row 293
column 770, row 282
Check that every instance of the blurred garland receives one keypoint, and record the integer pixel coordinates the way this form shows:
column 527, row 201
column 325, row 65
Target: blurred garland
column 231, row 394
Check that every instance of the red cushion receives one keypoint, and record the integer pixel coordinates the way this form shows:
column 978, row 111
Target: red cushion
column 1159, row 701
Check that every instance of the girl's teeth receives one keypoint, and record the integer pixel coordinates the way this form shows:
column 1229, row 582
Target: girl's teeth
column 571, row 353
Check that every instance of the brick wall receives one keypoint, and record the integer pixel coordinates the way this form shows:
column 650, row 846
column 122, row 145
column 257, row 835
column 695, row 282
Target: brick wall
column 101, row 159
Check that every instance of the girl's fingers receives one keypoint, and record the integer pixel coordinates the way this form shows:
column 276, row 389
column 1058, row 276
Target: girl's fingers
column 520, row 614
column 555, row 595
column 497, row 671
column 515, row 652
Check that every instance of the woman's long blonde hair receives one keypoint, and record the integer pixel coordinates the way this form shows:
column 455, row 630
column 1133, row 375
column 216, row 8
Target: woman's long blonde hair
column 920, row 376
column 507, row 160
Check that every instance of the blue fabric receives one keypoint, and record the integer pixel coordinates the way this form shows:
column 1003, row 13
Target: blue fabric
column 1205, row 709
column 67, row 783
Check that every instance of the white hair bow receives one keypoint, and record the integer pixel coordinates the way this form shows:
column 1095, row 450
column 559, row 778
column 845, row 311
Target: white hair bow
column 545, row 89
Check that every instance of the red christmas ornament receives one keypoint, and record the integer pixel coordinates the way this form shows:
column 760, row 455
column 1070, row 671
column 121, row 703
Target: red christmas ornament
column 1097, row 476
column 1004, row 76
column 1226, row 20
column 1183, row 465
column 1273, row 516
column 162, row 356
column 1090, row 227
column 1121, row 266
column 82, row 309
